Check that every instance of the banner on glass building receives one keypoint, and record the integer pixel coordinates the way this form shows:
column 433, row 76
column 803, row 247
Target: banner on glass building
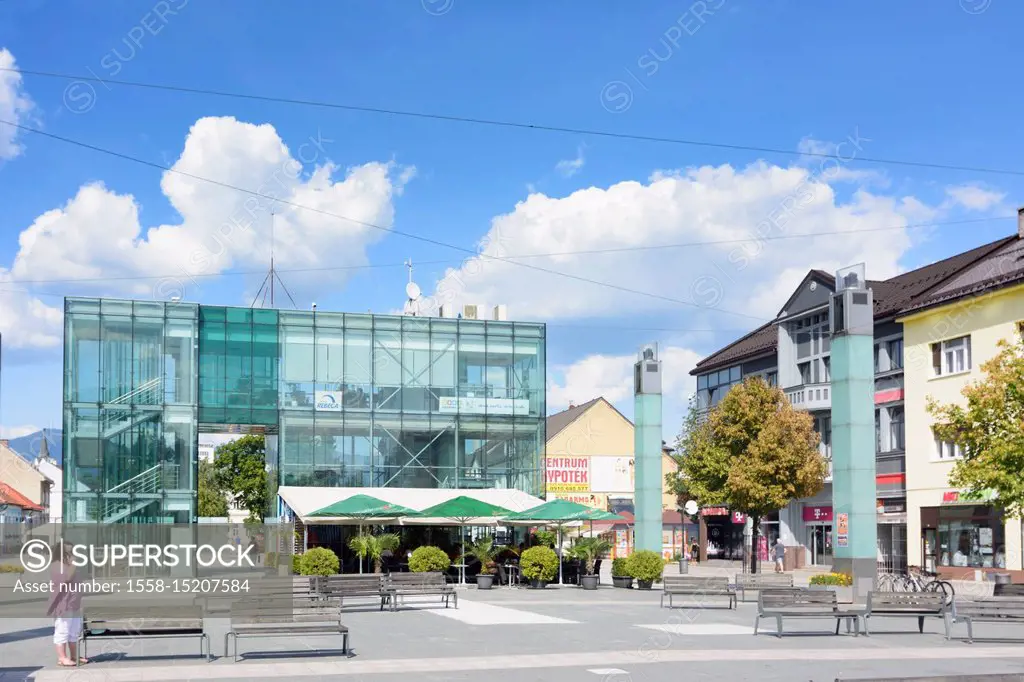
column 499, row 406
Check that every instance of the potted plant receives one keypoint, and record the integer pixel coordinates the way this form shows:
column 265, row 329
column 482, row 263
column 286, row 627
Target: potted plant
column 620, row 573
column 374, row 546
column 588, row 551
column 539, row 565
column 426, row 559
column 646, row 566
column 318, row 561
column 484, row 551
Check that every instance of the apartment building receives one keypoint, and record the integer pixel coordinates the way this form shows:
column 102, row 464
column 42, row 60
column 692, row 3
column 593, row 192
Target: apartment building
column 793, row 352
column 949, row 335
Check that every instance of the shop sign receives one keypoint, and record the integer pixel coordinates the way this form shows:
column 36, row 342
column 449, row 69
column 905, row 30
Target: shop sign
column 958, row 497
column 842, row 529
column 466, row 405
column 715, row 511
column 818, row 514
column 327, row 401
column 595, row 501
column 737, row 517
column 568, row 474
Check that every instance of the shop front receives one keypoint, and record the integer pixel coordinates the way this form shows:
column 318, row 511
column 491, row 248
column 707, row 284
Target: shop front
column 723, row 533
column 960, row 537
column 818, row 524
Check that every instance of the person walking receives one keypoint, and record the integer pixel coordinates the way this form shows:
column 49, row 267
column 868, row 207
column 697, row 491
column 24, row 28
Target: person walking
column 780, row 555
column 65, row 607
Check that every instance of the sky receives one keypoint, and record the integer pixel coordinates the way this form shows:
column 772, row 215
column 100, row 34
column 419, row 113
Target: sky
column 610, row 221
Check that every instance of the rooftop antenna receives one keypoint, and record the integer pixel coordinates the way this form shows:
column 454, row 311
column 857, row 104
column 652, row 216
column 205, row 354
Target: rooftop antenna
column 412, row 290
column 267, row 288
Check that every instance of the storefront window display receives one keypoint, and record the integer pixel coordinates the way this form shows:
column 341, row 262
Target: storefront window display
column 964, row 536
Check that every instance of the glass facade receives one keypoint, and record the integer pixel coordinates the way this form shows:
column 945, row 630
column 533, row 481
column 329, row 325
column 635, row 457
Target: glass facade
column 354, row 400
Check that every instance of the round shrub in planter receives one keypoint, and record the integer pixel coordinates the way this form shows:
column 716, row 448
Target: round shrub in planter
column 646, row 566
column 426, row 559
column 318, row 561
column 539, row 565
column 620, row 573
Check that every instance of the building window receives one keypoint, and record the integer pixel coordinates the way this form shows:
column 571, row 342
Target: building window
column 1020, row 331
column 711, row 388
column 878, row 363
column 946, row 450
column 895, row 349
column 772, row 378
column 805, row 372
column 896, row 429
column 952, row 356
column 969, row 536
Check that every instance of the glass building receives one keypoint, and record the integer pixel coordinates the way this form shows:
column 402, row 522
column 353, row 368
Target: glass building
column 344, row 399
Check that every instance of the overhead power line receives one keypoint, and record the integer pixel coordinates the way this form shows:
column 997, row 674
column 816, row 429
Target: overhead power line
column 416, row 237
column 511, row 124
column 585, row 252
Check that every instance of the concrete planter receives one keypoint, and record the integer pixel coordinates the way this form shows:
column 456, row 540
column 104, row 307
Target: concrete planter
column 8, row 579
column 590, row 582
column 622, row 581
column 485, row 581
column 843, row 594
column 644, row 584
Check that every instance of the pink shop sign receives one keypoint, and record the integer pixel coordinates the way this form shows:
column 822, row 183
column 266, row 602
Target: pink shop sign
column 818, row 514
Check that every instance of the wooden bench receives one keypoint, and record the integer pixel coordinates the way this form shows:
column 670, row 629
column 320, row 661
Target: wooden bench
column 341, row 586
column 802, row 603
column 907, row 604
column 281, row 617
column 1008, row 590
column 131, row 622
column 988, row 610
column 687, row 585
column 755, row 581
column 398, row 586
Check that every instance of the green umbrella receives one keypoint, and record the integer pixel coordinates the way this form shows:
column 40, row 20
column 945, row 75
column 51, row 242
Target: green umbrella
column 364, row 507
column 555, row 512
column 462, row 509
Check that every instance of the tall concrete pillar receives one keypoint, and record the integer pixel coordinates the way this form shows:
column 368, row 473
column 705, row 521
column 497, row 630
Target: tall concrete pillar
column 854, row 524
column 647, row 449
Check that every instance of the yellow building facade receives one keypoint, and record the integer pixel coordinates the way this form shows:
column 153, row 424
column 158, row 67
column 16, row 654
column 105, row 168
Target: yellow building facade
column 945, row 347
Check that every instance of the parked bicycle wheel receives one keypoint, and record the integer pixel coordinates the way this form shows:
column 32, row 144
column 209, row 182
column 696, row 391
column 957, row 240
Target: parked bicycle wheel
column 943, row 586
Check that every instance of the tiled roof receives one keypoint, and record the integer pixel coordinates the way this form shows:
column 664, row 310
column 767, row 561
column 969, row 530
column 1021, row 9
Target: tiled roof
column 911, row 290
column 1003, row 266
column 560, row 420
column 9, row 495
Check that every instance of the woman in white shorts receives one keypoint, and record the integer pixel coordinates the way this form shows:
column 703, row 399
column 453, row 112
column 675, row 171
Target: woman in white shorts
column 65, row 607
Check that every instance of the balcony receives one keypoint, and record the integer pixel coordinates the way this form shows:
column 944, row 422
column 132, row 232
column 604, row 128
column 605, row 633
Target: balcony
column 810, row 397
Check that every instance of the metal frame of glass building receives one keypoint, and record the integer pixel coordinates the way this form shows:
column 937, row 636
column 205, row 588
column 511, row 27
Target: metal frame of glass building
column 345, row 400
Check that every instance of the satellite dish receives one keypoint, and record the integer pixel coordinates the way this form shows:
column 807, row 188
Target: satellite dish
column 412, row 290
column 690, row 508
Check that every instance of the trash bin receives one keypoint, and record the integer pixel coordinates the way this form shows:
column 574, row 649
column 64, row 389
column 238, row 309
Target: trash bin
column 684, row 566
column 1002, row 578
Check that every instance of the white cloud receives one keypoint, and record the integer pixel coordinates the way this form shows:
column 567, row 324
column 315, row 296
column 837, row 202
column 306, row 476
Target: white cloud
column 974, row 197
column 99, row 233
column 747, row 207
column 611, row 376
column 570, row 167
column 839, row 168
column 12, row 432
column 15, row 105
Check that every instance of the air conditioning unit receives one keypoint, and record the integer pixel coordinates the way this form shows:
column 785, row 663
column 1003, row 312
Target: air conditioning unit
column 471, row 311
column 446, row 310
column 501, row 312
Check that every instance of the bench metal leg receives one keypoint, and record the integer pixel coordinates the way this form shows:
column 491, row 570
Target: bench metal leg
column 838, row 621
column 778, row 626
column 946, row 624
column 864, row 620
column 920, row 624
column 757, row 621
column 970, row 630
column 344, row 643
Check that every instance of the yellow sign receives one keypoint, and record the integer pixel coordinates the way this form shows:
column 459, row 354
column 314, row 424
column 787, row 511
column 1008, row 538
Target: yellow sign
column 595, row 500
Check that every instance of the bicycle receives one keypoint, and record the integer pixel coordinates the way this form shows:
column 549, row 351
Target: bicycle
column 920, row 581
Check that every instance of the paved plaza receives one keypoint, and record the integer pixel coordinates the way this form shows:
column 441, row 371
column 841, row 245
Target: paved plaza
column 562, row 634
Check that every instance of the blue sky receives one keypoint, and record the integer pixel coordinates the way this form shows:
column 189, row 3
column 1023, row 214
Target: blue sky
column 922, row 81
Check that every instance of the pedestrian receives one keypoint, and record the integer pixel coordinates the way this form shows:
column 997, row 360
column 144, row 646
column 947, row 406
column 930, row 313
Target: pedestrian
column 65, row 607
column 780, row 555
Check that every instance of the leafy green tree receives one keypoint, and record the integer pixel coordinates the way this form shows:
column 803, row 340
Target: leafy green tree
column 753, row 453
column 241, row 470
column 212, row 500
column 990, row 431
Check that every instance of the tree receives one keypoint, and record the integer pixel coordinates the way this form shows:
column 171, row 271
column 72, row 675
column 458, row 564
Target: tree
column 989, row 431
column 212, row 500
column 241, row 470
column 754, row 453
